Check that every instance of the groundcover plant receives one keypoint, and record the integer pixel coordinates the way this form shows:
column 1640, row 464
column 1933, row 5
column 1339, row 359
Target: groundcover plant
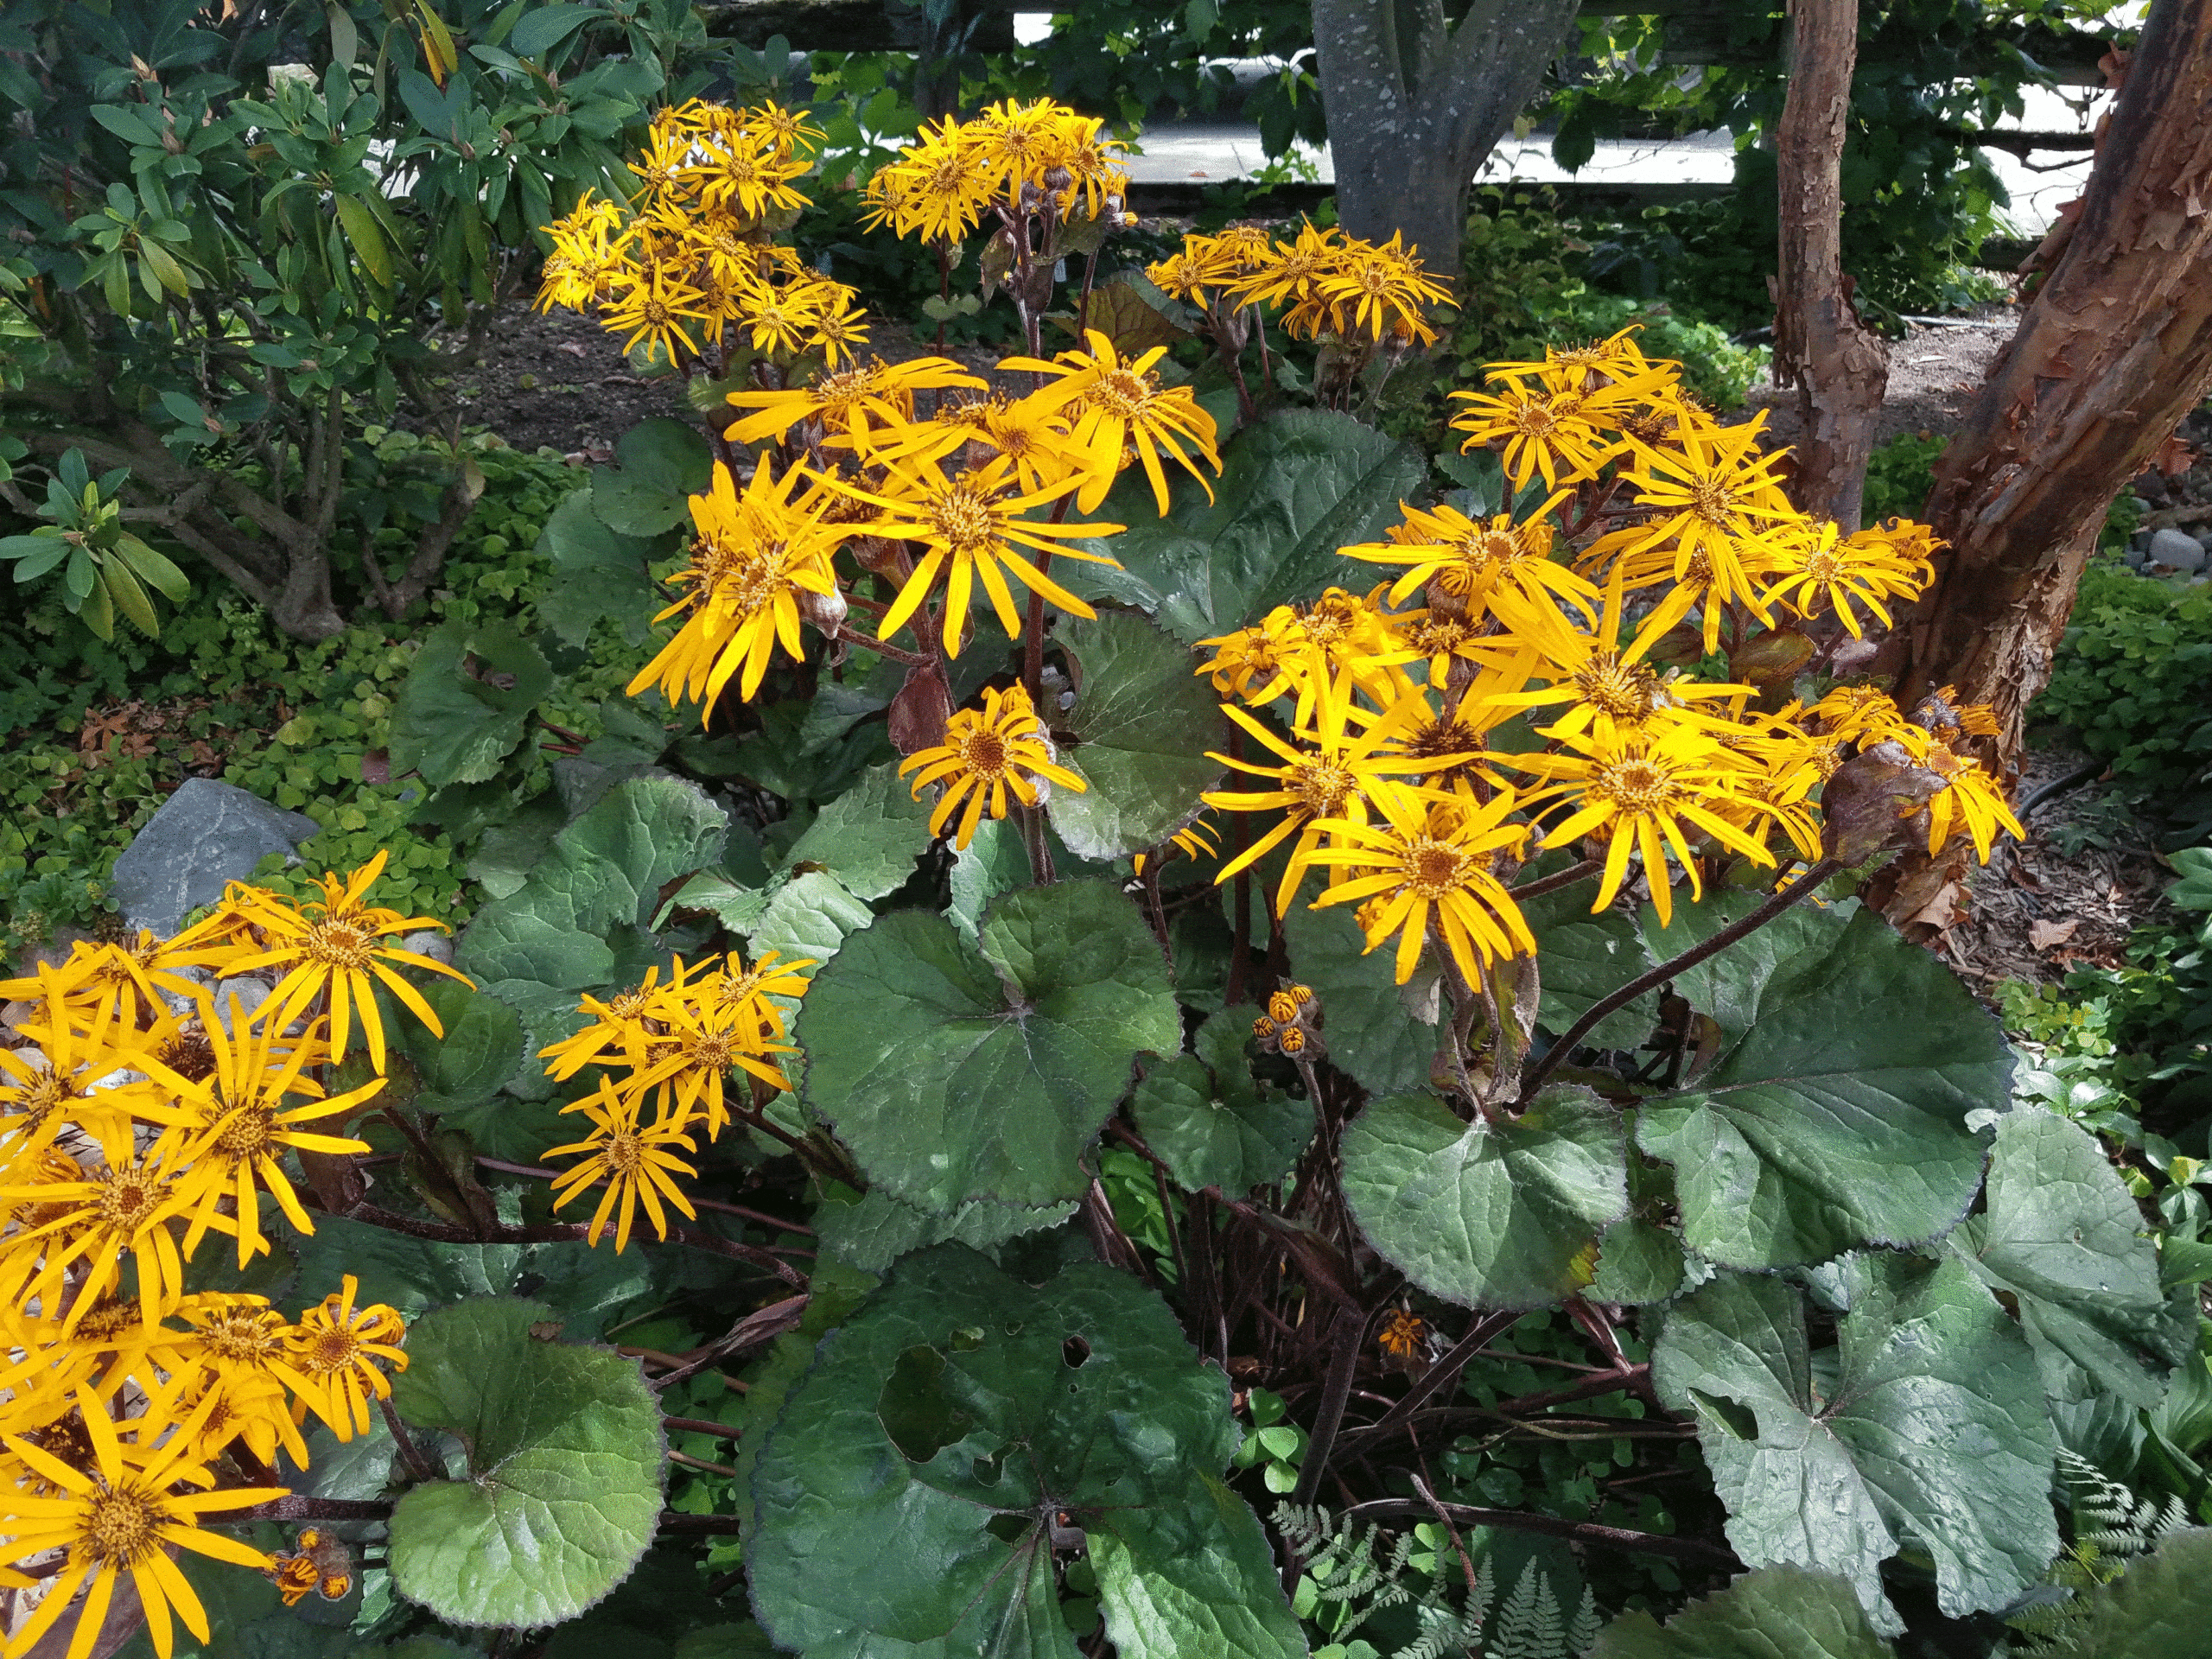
column 1418, row 916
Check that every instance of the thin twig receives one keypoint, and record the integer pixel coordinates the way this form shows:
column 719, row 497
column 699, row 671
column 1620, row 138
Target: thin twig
column 700, row 1426
column 1666, row 970
column 1552, row 883
column 565, row 1233
column 1350, row 1335
column 766, row 1220
column 753, row 1330
column 417, row 1461
column 1438, row 1378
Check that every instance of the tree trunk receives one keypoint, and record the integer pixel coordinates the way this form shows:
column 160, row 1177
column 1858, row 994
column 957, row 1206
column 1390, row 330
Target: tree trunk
column 2114, row 351
column 1416, row 103
column 1839, row 368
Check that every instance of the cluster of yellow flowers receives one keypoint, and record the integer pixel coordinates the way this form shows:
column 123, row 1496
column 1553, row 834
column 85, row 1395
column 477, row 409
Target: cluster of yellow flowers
column 136, row 1117
column 688, row 267
column 1390, row 773
column 1329, row 286
column 1023, row 158
column 669, row 1045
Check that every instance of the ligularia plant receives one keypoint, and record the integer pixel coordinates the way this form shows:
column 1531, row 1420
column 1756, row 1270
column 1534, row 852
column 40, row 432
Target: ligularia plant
column 1122, row 964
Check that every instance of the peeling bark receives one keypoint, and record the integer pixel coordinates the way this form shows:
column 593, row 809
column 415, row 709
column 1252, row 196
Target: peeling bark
column 2114, row 351
column 1821, row 347
column 1416, row 103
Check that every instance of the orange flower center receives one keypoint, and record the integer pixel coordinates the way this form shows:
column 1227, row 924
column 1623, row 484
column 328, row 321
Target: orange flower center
column 1638, row 784
column 1625, row 691
column 117, row 1528
column 338, row 943
column 962, row 518
column 1322, row 786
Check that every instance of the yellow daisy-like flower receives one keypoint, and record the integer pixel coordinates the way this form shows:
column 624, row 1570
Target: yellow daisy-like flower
column 335, row 947
column 844, row 402
column 123, row 1514
column 1381, row 290
column 656, row 309
column 972, row 526
column 1315, row 789
column 937, row 189
column 1426, row 868
column 1825, row 569
column 244, row 1126
column 1641, row 789
column 339, row 1351
column 754, row 555
column 634, row 1162
column 68, row 1077
column 1472, row 562
column 123, row 1206
column 1116, row 405
column 620, row 1031
column 1561, row 435
column 698, row 1045
column 989, row 754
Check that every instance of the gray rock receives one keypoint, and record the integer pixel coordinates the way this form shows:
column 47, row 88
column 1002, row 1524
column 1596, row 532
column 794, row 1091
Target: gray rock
column 438, row 947
column 206, row 834
column 2175, row 548
column 2135, row 558
column 245, row 994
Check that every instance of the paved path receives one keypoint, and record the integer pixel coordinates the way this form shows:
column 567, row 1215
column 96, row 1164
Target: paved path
column 1218, row 152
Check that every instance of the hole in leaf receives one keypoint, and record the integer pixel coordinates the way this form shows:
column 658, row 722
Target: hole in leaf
column 1736, row 1417
column 1010, row 1528
column 917, row 1410
column 1074, row 1352
column 967, row 1338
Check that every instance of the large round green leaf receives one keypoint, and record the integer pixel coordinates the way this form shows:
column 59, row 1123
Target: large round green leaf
column 1777, row 1613
column 1488, row 1216
column 1294, row 489
column 1142, row 722
column 869, row 836
column 597, row 572
column 556, row 934
column 871, row 1230
column 1924, row 1427
column 1212, row 1122
column 2062, row 1239
column 450, row 725
column 663, row 462
column 1581, row 957
column 913, row 1485
column 563, row 1492
column 956, row 1071
column 1836, row 1114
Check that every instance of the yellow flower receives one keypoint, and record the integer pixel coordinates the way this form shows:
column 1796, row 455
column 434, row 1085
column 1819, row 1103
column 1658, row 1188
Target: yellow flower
column 1642, row 788
column 988, row 754
column 1028, row 432
column 1474, row 563
column 339, row 1351
column 843, row 402
column 1426, row 868
column 698, row 1043
column 68, row 1077
column 1384, row 290
column 1970, row 799
column 1824, row 568
column 1562, row 434
column 1610, row 687
column 937, row 188
column 1316, row 789
column 244, row 1126
column 972, row 526
column 754, row 555
column 634, row 1162
column 655, row 309
column 335, row 946
column 242, row 1347
column 620, row 1023
column 123, row 1514
column 122, row 1207
column 839, row 325
column 1116, row 405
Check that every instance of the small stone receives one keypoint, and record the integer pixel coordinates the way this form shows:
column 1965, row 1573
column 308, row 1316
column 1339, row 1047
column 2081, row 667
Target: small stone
column 206, row 835
column 438, row 947
column 2134, row 558
column 247, row 993
column 2177, row 550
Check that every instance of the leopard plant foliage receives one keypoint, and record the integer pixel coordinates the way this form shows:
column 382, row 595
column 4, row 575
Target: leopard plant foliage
column 943, row 1106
